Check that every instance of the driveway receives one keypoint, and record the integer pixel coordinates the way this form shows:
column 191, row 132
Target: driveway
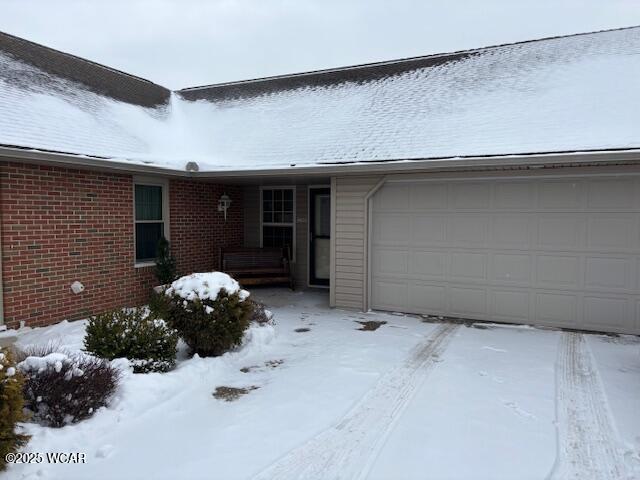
column 487, row 401
column 331, row 396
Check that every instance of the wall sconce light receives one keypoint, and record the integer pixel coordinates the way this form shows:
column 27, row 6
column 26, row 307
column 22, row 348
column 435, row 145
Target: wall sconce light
column 223, row 205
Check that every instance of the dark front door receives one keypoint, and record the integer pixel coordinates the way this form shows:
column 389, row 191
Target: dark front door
column 319, row 235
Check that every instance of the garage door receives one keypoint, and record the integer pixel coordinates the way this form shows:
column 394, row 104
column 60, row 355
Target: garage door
column 562, row 252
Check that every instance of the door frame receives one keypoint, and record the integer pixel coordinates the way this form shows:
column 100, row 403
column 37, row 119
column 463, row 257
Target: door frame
column 310, row 253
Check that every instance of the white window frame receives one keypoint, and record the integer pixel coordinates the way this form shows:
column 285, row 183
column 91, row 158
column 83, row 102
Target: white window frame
column 281, row 224
column 156, row 182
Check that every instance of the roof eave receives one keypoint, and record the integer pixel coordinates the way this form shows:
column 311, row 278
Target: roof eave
column 67, row 160
column 614, row 156
column 399, row 166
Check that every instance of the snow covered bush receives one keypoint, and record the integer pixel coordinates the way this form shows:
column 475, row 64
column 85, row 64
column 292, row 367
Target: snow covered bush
column 145, row 340
column 209, row 311
column 260, row 315
column 11, row 405
column 61, row 388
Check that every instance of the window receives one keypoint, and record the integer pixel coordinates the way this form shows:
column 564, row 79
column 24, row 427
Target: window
column 150, row 219
column 278, row 217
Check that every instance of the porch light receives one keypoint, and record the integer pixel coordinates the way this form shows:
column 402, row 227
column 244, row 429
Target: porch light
column 223, row 204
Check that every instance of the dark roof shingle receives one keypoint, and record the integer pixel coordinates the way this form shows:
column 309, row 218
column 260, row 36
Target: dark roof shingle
column 97, row 78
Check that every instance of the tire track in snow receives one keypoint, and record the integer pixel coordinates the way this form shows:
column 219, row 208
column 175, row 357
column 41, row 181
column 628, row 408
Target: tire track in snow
column 348, row 449
column 588, row 442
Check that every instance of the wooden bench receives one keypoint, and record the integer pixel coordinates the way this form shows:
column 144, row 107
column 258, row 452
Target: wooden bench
column 258, row 266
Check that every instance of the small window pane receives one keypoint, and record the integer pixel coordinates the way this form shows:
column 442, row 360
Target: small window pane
column 147, row 236
column 148, row 202
column 277, row 237
column 277, row 206
column 267, row 202
column 322, row 216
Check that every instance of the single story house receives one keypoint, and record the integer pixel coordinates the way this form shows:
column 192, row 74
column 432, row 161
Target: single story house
column 501, row 183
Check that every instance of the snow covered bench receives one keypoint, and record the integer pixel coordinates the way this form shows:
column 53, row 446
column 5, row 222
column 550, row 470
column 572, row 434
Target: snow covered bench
column 258, row 266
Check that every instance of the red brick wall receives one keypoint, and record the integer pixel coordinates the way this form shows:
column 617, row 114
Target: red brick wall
column 198, row 230
column 61, row 225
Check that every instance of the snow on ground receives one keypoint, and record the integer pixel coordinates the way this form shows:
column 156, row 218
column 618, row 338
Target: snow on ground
column 408, row 400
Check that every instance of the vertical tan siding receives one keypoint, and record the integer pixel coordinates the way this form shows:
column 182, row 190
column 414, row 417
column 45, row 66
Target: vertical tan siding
column 349, row 259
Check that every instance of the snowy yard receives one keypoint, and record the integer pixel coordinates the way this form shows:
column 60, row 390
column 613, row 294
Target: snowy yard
column 407, row 400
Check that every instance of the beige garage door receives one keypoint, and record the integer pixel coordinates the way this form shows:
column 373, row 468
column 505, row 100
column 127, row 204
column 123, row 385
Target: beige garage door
column 562, row 252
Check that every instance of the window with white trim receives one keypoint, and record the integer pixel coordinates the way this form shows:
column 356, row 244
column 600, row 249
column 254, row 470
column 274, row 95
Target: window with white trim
column 150, row 219
column 278, row 218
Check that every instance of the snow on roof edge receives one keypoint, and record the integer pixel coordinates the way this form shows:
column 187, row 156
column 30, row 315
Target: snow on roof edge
column 68, row 159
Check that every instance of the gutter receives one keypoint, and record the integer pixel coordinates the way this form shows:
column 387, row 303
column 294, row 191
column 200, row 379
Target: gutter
column 458, row 163
column 534, row 160
column 67, row 160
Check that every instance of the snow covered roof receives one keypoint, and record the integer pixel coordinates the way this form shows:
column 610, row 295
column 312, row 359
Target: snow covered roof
column 573, row 93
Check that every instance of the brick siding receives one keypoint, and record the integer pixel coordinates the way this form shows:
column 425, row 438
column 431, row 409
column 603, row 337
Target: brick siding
column 60, row 225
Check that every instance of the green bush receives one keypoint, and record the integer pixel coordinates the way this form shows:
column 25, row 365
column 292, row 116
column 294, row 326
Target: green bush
column 145, row 340
column 11, row 406
column 158, row 305
column 165, row 269
column 210, row 327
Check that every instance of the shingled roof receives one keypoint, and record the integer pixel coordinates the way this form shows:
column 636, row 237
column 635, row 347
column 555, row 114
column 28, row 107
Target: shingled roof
column 93, row 76
column 562, row 94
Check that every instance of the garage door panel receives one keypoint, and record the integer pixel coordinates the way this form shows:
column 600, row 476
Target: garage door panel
column 609, row 273
column 612, row 232
column 470, row 196
column 611, row 194
column 557, row 308
column 557, row 271
column 469, row 266
column 562, row 252
column 511, row 231
column 428, row 264
column 513, row 196
column 390, row 294
column 512, row 268
column 560, row 195
column 510, row 305
column 427, row 297
column 390, row 229
column 468, row 302
column 428, row 197
column 428, row 230
column 559, row 232
column 391, row 262
column 602, row 312
column 467, row 230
